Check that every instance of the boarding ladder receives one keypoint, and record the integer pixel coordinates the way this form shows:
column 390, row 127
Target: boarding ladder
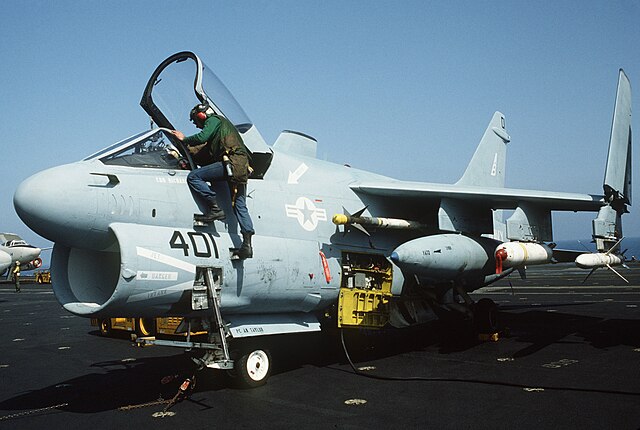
column 205, row 295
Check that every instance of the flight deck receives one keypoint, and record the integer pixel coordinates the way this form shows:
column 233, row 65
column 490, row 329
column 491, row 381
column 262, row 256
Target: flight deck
column 567, row 357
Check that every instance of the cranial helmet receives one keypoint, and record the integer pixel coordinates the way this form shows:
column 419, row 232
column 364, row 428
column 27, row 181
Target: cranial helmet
column 200, row 113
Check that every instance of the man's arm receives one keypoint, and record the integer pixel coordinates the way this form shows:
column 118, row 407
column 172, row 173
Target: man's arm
column 210, row 127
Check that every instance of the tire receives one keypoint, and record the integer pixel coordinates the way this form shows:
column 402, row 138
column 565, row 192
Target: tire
column 485, row 316
column 253, row 368
column 145, row 326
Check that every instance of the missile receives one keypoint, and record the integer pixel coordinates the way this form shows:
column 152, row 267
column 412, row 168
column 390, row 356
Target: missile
column 341, row 219
column 598, row 260
column 360, row 222
column 515, row 254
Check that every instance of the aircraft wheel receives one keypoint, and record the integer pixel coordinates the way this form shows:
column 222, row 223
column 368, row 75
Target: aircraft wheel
column 486, row 316
column 146, row 326
column 253, row 368
column 105, row 327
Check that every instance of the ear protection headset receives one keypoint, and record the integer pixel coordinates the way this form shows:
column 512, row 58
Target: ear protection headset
column 200, row 113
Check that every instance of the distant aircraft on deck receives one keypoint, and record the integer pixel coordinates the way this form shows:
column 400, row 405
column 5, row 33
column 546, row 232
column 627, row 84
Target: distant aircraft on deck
column 14, row 249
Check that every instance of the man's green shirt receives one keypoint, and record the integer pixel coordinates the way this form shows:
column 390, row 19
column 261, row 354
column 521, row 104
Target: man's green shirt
column 207, row 134
column 214, row 131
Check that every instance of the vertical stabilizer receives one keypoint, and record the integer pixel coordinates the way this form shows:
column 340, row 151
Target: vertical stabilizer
column 607, row 227
column 487, row 167
column 617, row 177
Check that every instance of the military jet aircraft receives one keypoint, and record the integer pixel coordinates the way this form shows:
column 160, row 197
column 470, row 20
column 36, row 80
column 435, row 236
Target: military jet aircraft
column 397, row 253
column 13, row 249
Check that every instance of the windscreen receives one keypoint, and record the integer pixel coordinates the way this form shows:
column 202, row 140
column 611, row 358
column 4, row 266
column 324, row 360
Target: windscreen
column 154, row 151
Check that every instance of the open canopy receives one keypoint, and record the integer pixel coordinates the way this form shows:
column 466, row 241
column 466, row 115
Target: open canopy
column 178, row 84
column 182, row 81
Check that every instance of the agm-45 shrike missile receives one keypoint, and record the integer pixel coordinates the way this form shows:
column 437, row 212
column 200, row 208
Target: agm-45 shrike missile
column 517, row 254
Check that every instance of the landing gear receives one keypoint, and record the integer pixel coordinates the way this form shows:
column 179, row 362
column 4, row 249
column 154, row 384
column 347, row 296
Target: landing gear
column 252, row 369
column 483, row 313
column 485, row 316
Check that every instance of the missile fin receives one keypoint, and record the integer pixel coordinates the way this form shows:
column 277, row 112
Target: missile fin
column 357, row 214
column 590, row 273
column 616, row 272
column 523, row 272
column 361, row 228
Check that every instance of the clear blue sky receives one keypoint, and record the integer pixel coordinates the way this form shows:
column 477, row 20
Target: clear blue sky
column 402, row 88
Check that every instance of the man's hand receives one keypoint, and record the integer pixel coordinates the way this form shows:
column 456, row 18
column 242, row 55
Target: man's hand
column 178, row 134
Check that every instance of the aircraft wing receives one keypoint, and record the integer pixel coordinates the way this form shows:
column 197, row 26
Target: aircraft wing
column 496, row 198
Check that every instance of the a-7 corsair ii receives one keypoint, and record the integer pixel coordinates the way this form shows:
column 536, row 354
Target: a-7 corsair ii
column 398, row 253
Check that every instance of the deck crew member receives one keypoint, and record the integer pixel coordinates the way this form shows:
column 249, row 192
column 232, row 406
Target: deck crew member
column 222, row 155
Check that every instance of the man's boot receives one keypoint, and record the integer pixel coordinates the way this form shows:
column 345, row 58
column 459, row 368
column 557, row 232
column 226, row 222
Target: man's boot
column 245, row 250
column 212, row 214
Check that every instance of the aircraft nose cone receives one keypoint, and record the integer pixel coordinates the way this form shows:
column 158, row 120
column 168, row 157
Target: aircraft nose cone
column 35, row 253
column 57, row 204
column 27, row 200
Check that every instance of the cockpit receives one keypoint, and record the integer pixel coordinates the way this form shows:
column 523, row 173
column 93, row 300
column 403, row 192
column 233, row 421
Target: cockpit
column 151, row 149
column 17, row 243
column 174, row 88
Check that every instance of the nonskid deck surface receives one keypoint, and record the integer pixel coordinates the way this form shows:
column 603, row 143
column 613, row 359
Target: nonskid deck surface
column 568, row 357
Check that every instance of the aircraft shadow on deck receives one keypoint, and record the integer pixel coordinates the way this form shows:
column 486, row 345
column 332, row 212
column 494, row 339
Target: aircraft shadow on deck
column 136, row 382
column 540, row 329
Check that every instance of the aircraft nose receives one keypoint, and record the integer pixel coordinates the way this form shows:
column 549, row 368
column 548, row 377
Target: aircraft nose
column 57, row 204
column 29, row 200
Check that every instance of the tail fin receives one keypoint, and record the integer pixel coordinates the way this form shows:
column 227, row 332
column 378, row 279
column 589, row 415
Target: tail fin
column 487, row 167
column 607, row 227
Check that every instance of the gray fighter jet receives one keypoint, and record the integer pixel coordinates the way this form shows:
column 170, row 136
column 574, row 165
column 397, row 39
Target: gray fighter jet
column 334, row 246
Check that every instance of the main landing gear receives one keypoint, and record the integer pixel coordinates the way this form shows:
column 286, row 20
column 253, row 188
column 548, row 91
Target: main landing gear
column 483, row 313
column 485, row 316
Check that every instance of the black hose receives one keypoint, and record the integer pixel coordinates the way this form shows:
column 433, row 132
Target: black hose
column 473, row 381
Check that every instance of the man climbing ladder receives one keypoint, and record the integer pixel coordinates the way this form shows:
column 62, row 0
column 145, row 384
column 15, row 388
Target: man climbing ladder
column 222, row 155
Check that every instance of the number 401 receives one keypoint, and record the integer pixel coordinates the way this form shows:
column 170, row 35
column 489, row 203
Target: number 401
column 201, row 244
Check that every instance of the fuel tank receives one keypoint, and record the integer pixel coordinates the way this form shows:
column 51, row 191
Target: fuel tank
column 446, row 257
column 516, row 254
